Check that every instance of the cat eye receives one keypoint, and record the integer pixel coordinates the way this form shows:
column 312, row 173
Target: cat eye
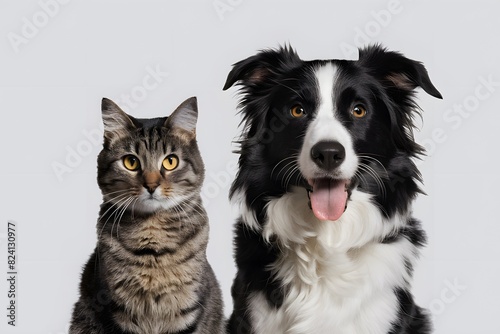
column 297, row 111
column 358, row 111
column 170, row 162
column 131, row 162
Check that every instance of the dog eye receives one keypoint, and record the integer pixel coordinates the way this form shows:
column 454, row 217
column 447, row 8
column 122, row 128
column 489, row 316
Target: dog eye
column 131, row 162
column 358, row 111
column 297, row 111
column 170, row 162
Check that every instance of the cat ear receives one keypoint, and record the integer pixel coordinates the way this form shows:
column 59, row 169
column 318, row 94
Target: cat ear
column 117, row 124
column 185, row 116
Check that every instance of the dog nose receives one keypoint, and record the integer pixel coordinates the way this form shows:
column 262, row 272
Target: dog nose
column 328, row 155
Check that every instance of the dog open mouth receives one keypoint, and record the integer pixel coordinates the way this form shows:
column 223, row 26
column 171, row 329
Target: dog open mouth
column 328, row 197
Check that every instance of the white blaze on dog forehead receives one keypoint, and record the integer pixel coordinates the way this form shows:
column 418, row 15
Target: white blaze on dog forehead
column 326, row 126
column 326, row 77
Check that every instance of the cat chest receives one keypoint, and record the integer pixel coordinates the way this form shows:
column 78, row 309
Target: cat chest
column 155, row 235
column 145, row 277
column 155, row 297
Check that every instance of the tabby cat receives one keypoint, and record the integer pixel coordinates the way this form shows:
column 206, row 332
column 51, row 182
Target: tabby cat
column 149, row 273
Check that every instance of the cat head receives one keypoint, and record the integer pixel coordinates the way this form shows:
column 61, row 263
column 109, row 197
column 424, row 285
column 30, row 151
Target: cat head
column 148, row 165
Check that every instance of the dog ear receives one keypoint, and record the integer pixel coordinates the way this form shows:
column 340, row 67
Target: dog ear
column 264, row 65
column 397, row 70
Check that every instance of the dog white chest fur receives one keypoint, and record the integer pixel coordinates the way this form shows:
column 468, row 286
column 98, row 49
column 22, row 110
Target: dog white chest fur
column 339, row 279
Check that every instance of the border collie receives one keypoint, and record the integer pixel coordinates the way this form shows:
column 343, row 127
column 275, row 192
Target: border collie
column 326, row 242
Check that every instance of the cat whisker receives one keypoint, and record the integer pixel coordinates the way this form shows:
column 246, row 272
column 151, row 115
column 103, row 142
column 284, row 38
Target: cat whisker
column 181, row 214
column 116, row 193
column 195, row 207
column 189, row 206
column 120, row 197
column 118, row 205
column 133, row 207
column 125, row 207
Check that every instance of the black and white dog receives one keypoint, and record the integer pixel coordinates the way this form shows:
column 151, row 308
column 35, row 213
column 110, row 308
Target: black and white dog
column 326, row 242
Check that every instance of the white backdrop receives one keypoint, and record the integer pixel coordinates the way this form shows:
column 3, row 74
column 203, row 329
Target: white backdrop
column 60, row 57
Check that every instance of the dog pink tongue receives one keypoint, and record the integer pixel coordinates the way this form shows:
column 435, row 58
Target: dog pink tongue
column 328, row 198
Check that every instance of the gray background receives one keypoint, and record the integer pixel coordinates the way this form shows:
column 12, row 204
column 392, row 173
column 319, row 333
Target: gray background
column 58, row 61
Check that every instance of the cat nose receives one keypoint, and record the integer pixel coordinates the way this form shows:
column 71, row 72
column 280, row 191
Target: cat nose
column 151, row 181
column 151, row 187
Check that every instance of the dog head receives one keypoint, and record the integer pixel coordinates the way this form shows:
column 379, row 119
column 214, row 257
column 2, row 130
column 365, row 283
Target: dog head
column 329, row 126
